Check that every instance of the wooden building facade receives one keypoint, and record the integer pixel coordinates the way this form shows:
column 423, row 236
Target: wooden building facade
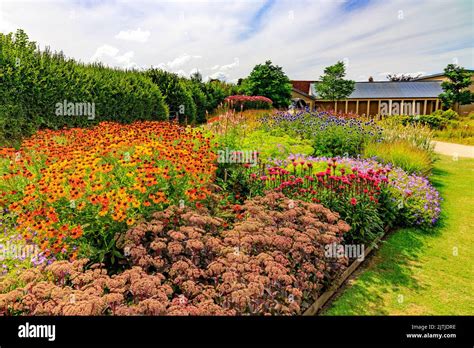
column 416, row 97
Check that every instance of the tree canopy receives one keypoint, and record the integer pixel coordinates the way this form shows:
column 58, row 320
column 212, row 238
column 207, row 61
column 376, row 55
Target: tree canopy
column 270, row 81
column 456, row 90
column 333, row 86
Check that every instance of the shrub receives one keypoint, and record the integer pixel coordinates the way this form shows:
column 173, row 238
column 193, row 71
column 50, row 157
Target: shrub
column 244, row 102
column 401, row 154
column 437, row 120
column 186, row 262
column 433, row 121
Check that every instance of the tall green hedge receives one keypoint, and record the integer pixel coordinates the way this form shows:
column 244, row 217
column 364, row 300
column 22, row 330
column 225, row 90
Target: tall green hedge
column 177, row 96
column 33, row 82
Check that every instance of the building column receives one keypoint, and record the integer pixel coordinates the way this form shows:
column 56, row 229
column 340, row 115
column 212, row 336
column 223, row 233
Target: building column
column 335, row 106
column 357, row 107
column 390, row 107
column 368, row 107
column 346, row 105
column 424, row 107
column 437, row 104
column 402, row 112
column 413, row 107
column 378, row 111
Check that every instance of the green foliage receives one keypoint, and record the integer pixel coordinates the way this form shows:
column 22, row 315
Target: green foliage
column 270, row 81
column 449, row 114
column 456, row 90
column 177, row 96
column 215, row 92
column 434, row 121
column 459, row 131
column 394, row 129
column 437, row 120
column 276, row 146
column 401, row 154
column 332, row 85
column 339, row 141
column 33, row 82
column 199, row 99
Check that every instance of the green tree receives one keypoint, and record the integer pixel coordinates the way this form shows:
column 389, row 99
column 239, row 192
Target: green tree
column 333, row 86
column 456, row 90
column 270, row 81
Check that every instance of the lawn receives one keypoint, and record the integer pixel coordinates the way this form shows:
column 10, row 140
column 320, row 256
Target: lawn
column 419, row 273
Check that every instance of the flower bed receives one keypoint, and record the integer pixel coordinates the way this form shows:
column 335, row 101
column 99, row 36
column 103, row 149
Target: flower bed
column 73, row 190
column 330, row 135
column 187, row 262
column 417, row 201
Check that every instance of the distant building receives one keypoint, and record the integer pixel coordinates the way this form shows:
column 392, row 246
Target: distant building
column 418, row 97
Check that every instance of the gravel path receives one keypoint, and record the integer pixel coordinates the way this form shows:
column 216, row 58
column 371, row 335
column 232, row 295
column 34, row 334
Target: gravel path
column 451, row 149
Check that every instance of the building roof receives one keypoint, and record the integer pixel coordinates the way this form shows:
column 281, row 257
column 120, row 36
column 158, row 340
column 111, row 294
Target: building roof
column 302, row 85
column 436, row 75
column 391, row 90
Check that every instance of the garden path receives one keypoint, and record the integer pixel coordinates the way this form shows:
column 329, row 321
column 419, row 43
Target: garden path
column 451, row 149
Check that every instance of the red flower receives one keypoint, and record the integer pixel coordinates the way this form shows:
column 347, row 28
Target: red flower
column 353, row 201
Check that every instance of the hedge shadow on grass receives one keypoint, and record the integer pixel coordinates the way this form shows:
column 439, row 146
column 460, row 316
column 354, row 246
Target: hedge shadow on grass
column 388, row 268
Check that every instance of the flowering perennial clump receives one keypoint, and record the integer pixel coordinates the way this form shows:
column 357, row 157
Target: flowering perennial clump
column 186, row 262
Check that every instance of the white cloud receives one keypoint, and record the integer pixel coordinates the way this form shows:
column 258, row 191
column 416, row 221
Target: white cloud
column 220, row 75
column 181, row 61
column 5, row 25
column 213, row 33
column 133, row 35
column 109, row 55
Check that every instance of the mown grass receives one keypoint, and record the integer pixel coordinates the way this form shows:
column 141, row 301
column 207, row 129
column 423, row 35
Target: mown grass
column 420, row 273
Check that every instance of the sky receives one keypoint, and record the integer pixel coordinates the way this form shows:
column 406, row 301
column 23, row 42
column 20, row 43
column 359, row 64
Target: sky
column 226, row 39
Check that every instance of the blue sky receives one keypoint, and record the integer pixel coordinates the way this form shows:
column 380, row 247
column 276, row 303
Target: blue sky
column 225, row 39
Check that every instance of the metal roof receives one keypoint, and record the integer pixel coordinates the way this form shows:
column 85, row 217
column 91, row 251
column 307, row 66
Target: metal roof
column 392, row 90
column 437, row 75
